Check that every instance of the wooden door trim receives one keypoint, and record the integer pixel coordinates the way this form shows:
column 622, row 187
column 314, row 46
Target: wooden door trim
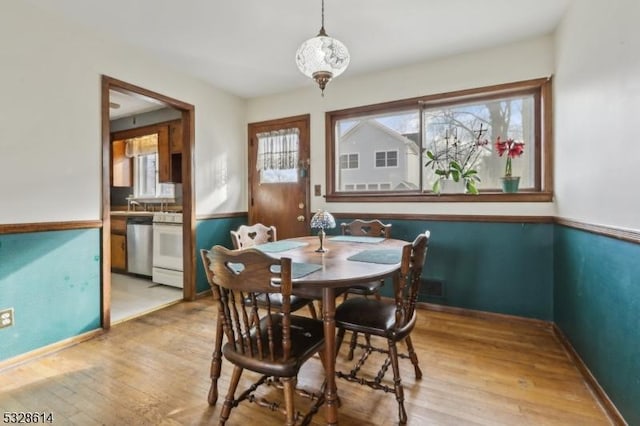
column 260, row 126
column 188, row 200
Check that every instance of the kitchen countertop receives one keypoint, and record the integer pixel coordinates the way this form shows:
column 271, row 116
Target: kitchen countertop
column 131, row 213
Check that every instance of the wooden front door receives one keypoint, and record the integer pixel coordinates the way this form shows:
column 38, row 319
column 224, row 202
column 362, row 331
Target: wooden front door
column 279, row 175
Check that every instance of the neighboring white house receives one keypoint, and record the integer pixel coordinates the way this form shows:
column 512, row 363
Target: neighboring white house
column 374, row 157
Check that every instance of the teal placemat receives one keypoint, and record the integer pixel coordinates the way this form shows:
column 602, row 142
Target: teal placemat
column 277, row 246
column 357, row 239
column 298, row 270
column 387, row 256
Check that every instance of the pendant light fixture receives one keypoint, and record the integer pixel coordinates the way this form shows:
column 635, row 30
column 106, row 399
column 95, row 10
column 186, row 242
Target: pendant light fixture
column 322, row 57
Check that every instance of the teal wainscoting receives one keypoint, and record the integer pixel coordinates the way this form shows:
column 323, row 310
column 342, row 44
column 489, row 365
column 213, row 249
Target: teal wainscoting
column 52, row 281
column 597, row 306
column 505, row 268
column 210, row 232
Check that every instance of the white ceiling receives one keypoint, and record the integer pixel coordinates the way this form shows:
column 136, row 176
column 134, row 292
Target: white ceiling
column 124, row 105
column 248, row 46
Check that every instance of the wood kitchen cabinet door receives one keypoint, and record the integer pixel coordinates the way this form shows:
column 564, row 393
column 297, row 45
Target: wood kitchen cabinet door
column 121, row 165
column 175, row 137
column 164, row 155
column 119, row 244
column 170, row 153
column 119, row 252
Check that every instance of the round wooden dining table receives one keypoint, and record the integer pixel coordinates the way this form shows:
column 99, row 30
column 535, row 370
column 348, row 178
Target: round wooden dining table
column 337, row 271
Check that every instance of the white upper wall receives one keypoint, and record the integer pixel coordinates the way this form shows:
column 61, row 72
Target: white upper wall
column 597, row 105
column 50, row 129
column 514, row 62
column 50, row 166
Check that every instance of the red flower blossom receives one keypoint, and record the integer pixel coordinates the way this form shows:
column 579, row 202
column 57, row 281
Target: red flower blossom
column 512, row 148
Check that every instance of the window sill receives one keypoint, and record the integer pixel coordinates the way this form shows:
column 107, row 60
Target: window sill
column 483, row 197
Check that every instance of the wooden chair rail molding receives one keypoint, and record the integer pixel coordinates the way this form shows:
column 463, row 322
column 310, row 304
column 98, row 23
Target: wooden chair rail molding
column 629, row 235
column 21, row 228
column 608, row 231
column 221, row 215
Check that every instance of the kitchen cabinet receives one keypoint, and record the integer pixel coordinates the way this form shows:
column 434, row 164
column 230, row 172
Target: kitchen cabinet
column 121, row 165
column 119, row 244
column 175, row 136
column 170, row 145
column 170, row 153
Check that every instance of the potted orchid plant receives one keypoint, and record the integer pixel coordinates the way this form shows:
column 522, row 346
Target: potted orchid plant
column 512, row 149
column 455, row 161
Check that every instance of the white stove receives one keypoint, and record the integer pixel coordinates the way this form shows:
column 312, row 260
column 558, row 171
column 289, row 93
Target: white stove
column 167, row 249
column 167, row 217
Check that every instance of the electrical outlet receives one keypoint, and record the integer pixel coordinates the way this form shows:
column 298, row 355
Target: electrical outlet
column 317, row 190
column 6, row 318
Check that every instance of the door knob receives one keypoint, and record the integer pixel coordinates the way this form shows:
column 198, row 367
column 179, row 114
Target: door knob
column 300, row 218
column 301, row 206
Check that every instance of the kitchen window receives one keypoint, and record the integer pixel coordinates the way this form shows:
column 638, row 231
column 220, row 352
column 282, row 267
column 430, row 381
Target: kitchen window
column 396, row 135
column 146, row 184
column 145, row 175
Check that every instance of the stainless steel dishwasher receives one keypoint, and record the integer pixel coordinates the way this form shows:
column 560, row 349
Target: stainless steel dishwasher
column 140, row 245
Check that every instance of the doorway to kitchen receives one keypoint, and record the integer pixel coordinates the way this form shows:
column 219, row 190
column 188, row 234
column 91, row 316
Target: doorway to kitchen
column 147, row 146
column 146, row 207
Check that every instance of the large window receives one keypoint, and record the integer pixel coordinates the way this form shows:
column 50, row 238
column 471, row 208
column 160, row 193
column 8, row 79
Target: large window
column 410, row 144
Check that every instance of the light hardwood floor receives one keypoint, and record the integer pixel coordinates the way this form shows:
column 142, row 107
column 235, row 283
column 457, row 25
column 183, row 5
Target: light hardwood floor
column 154, row 370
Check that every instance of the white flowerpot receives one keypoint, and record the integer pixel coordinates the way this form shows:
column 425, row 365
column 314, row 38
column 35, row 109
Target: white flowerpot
column 450, row 186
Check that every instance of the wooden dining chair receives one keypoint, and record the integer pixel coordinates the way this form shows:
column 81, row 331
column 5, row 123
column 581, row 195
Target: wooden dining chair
column 271, row 341
column 364, row 228
column 250, row 235
column 247, row 236
column 391, row 321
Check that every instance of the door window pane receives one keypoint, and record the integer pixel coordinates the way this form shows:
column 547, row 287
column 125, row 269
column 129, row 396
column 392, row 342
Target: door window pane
column 278, row 156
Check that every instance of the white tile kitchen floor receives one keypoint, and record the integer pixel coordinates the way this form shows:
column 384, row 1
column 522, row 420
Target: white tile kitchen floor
column 132, row 296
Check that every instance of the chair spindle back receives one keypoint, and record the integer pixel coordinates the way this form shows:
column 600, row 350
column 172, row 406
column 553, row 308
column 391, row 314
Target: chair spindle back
column 407, row 287
column 238, row 277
